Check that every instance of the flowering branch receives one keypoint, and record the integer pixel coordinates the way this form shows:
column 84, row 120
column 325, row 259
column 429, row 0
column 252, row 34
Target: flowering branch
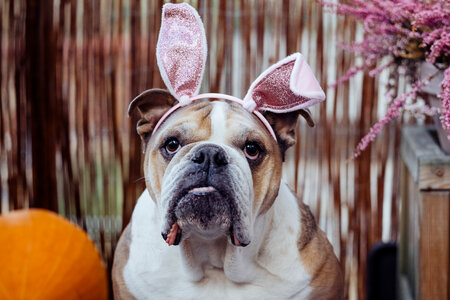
column 392, row 113
column 408, row 31
column 445, row 116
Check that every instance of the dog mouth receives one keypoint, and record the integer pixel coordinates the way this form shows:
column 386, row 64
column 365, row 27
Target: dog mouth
column 204, row 210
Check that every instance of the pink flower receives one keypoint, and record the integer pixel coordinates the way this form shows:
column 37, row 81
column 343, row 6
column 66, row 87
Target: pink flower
column 440, row 44
column 445, row 115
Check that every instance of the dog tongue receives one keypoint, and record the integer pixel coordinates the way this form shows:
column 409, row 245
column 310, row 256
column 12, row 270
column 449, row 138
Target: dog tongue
column 236, row 241
column 172, row 234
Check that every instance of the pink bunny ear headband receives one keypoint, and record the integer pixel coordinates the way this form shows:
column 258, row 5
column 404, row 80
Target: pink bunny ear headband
column 286, row 86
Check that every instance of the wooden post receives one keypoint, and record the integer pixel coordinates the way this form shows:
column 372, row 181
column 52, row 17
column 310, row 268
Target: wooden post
column 425, row 217
column 40, row 47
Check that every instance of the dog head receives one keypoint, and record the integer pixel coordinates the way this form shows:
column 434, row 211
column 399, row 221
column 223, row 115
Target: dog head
column 215, row 166
column 212, row 166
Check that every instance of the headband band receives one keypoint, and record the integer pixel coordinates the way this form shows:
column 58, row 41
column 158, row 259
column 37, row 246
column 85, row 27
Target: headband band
column 216, row 96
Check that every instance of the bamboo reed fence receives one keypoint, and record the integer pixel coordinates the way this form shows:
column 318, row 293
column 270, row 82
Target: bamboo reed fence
column 69, row 69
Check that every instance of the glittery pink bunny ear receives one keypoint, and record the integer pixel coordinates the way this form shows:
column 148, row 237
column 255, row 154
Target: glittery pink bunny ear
column 181, row 51
column 286, row 86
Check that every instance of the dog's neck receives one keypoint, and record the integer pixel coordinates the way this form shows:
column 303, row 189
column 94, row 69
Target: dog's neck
column 238, row 263
column 272, row 257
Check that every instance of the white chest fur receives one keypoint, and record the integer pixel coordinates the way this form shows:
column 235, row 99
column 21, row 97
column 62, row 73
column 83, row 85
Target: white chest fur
column 156, row 271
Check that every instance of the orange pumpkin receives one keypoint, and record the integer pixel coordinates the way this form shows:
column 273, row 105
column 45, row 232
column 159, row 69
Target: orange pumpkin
column 44, row 256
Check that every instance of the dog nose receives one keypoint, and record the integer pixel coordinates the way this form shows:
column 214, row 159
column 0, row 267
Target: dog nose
column 210, row 156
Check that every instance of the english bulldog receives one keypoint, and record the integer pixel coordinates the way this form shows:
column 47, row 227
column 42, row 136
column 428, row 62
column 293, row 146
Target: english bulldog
column 216, row 220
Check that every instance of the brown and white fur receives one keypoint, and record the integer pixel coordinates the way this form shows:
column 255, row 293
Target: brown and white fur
column 251, row 238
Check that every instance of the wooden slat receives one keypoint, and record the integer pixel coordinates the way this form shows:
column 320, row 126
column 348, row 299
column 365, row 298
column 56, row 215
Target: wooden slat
column 434, row 245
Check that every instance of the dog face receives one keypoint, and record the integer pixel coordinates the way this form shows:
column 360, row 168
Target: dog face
column 212, row 167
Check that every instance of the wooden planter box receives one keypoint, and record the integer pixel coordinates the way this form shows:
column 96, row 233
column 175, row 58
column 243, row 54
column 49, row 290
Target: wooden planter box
column 424, row 251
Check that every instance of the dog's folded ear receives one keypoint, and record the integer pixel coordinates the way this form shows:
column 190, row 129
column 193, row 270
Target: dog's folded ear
column 151, row 105
column 285, row 124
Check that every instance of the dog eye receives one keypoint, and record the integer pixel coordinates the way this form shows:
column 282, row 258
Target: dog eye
column 172, row 145
column 252, row 150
